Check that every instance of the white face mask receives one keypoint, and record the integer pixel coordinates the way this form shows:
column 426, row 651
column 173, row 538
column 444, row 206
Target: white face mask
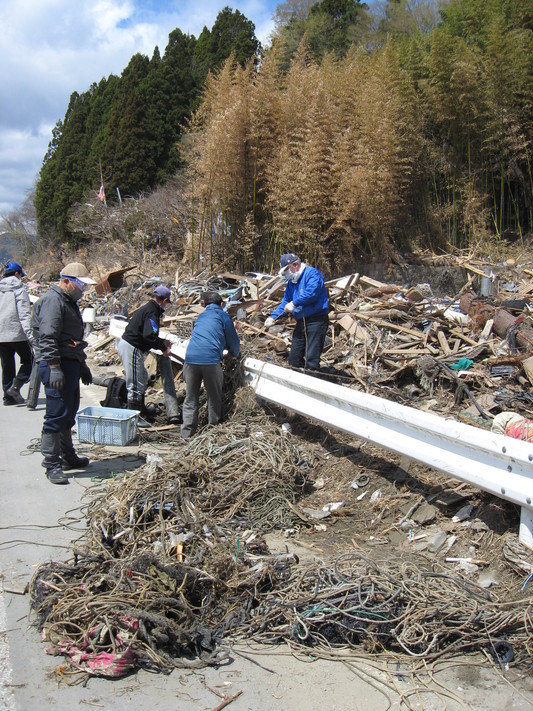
column 294, row 276
column 74, row 291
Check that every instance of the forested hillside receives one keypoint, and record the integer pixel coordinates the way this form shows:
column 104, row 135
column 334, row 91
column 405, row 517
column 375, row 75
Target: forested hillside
column 127, row 129
column 357, row 131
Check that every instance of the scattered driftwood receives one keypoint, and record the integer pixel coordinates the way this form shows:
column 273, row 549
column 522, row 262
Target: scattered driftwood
column 378, row 331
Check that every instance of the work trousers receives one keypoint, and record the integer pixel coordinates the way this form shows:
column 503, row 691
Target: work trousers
column 213, row 377
column 135, row 373
column 308, row 341
column 169, row 387
column 61, row 405
column 7, row 358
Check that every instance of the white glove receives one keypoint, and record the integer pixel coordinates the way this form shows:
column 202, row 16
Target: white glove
column 289, row 308
column 269, row 322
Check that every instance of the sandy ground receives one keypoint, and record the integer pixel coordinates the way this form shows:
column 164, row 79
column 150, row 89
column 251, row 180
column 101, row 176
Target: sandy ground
column 39, row 520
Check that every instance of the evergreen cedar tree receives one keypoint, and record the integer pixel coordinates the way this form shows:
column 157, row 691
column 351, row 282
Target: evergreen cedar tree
column 132, row 124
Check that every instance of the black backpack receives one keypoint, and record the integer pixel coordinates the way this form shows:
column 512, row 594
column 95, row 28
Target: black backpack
column 116, row 395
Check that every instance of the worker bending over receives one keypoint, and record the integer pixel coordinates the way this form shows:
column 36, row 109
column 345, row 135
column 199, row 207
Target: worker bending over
column 212, row 334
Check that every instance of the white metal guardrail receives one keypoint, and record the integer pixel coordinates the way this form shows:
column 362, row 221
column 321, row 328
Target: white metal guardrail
column 177, row 349
column 500, row 465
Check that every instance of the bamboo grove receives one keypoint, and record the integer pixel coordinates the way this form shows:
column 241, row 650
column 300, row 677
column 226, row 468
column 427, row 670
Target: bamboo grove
column 361, row 130
column 407, row 141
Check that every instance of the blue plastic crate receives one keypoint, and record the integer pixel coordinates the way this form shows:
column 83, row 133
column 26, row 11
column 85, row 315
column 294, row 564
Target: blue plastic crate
column 106, row 425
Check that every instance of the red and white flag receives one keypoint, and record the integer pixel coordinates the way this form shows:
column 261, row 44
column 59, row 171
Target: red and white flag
column 101, row 193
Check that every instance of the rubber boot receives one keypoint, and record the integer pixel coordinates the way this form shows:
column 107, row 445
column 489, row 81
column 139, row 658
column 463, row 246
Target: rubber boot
column 34, row 387
column 50, row 449
column 14, row 391
column 137, row 404
column 134, row 404
column 68, row 453
column 149, row 412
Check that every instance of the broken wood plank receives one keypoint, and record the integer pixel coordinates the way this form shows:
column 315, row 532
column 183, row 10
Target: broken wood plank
column 412, row 352
column 464, row 337
column 351, row 326
column 371, row 282
column 485, row 333
column 444, row 343
column 260, row 331
column 393, row 326
column 101, row 344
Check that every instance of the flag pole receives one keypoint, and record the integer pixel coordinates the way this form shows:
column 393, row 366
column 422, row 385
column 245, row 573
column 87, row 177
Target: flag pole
column 101, row 194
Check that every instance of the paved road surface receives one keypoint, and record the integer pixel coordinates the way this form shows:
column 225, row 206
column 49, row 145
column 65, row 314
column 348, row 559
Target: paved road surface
column 37, row 522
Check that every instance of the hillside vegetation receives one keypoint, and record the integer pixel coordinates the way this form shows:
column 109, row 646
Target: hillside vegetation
column 356, row 132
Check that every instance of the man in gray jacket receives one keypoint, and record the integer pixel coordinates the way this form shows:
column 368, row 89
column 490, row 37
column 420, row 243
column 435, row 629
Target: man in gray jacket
column 15, row 333
column 58, row 332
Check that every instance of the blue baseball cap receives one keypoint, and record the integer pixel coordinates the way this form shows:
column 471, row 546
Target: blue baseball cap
column 162, row 292
column 287, row 259
column 13, row 267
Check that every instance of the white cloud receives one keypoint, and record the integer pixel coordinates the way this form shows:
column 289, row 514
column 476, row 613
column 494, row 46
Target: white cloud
column 51, row 48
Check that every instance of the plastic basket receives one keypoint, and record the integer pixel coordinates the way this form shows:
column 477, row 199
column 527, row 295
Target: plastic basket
column 106, row 425
column 183, row 328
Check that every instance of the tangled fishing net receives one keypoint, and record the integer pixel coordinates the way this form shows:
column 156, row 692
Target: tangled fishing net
column 173, row 566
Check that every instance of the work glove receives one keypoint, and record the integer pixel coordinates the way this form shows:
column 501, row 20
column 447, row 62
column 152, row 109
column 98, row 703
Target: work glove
column 289, row 308
column 85, row 374
column 57, row 378
column 269, row 322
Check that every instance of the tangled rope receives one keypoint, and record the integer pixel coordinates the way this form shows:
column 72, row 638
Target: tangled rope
column 397, row 605
column 172, row 563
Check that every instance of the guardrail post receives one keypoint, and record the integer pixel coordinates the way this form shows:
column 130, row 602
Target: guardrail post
column 525, row 535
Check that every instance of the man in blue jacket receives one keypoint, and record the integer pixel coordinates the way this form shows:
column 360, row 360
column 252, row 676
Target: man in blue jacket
column 212, row 334
column 306, row 299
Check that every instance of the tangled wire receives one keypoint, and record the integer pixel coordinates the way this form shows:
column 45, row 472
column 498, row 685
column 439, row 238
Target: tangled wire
column 173, row 563
column 395, row 605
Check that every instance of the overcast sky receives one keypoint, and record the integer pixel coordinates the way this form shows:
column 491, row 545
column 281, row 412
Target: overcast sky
column 50, row 48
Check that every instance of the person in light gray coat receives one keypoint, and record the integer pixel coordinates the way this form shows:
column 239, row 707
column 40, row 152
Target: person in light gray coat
column 15, row 333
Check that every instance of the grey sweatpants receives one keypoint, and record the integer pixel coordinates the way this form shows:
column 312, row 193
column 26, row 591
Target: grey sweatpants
column 213, row 377
column 135, row 373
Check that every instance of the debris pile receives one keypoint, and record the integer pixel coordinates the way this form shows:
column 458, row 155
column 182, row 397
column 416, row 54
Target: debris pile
column 465, row 354
column 177, row 559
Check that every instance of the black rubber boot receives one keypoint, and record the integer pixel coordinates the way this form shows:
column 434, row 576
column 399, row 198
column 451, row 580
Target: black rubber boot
column 169, row 388
column 50, row 449
column 149, row 412
column 68, row 454
column 14, row 391
column 33, row 387
column 56, row 475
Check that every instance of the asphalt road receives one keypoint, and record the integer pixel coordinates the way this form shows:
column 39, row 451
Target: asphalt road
column 38, row 521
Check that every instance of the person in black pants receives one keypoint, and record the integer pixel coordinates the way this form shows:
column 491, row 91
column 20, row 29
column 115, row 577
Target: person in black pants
column 15, row 333
column 306, row 300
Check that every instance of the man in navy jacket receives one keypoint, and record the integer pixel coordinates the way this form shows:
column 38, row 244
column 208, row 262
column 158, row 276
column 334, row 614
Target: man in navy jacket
column 306, row 299
column 212, row 334
column 142, row 335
